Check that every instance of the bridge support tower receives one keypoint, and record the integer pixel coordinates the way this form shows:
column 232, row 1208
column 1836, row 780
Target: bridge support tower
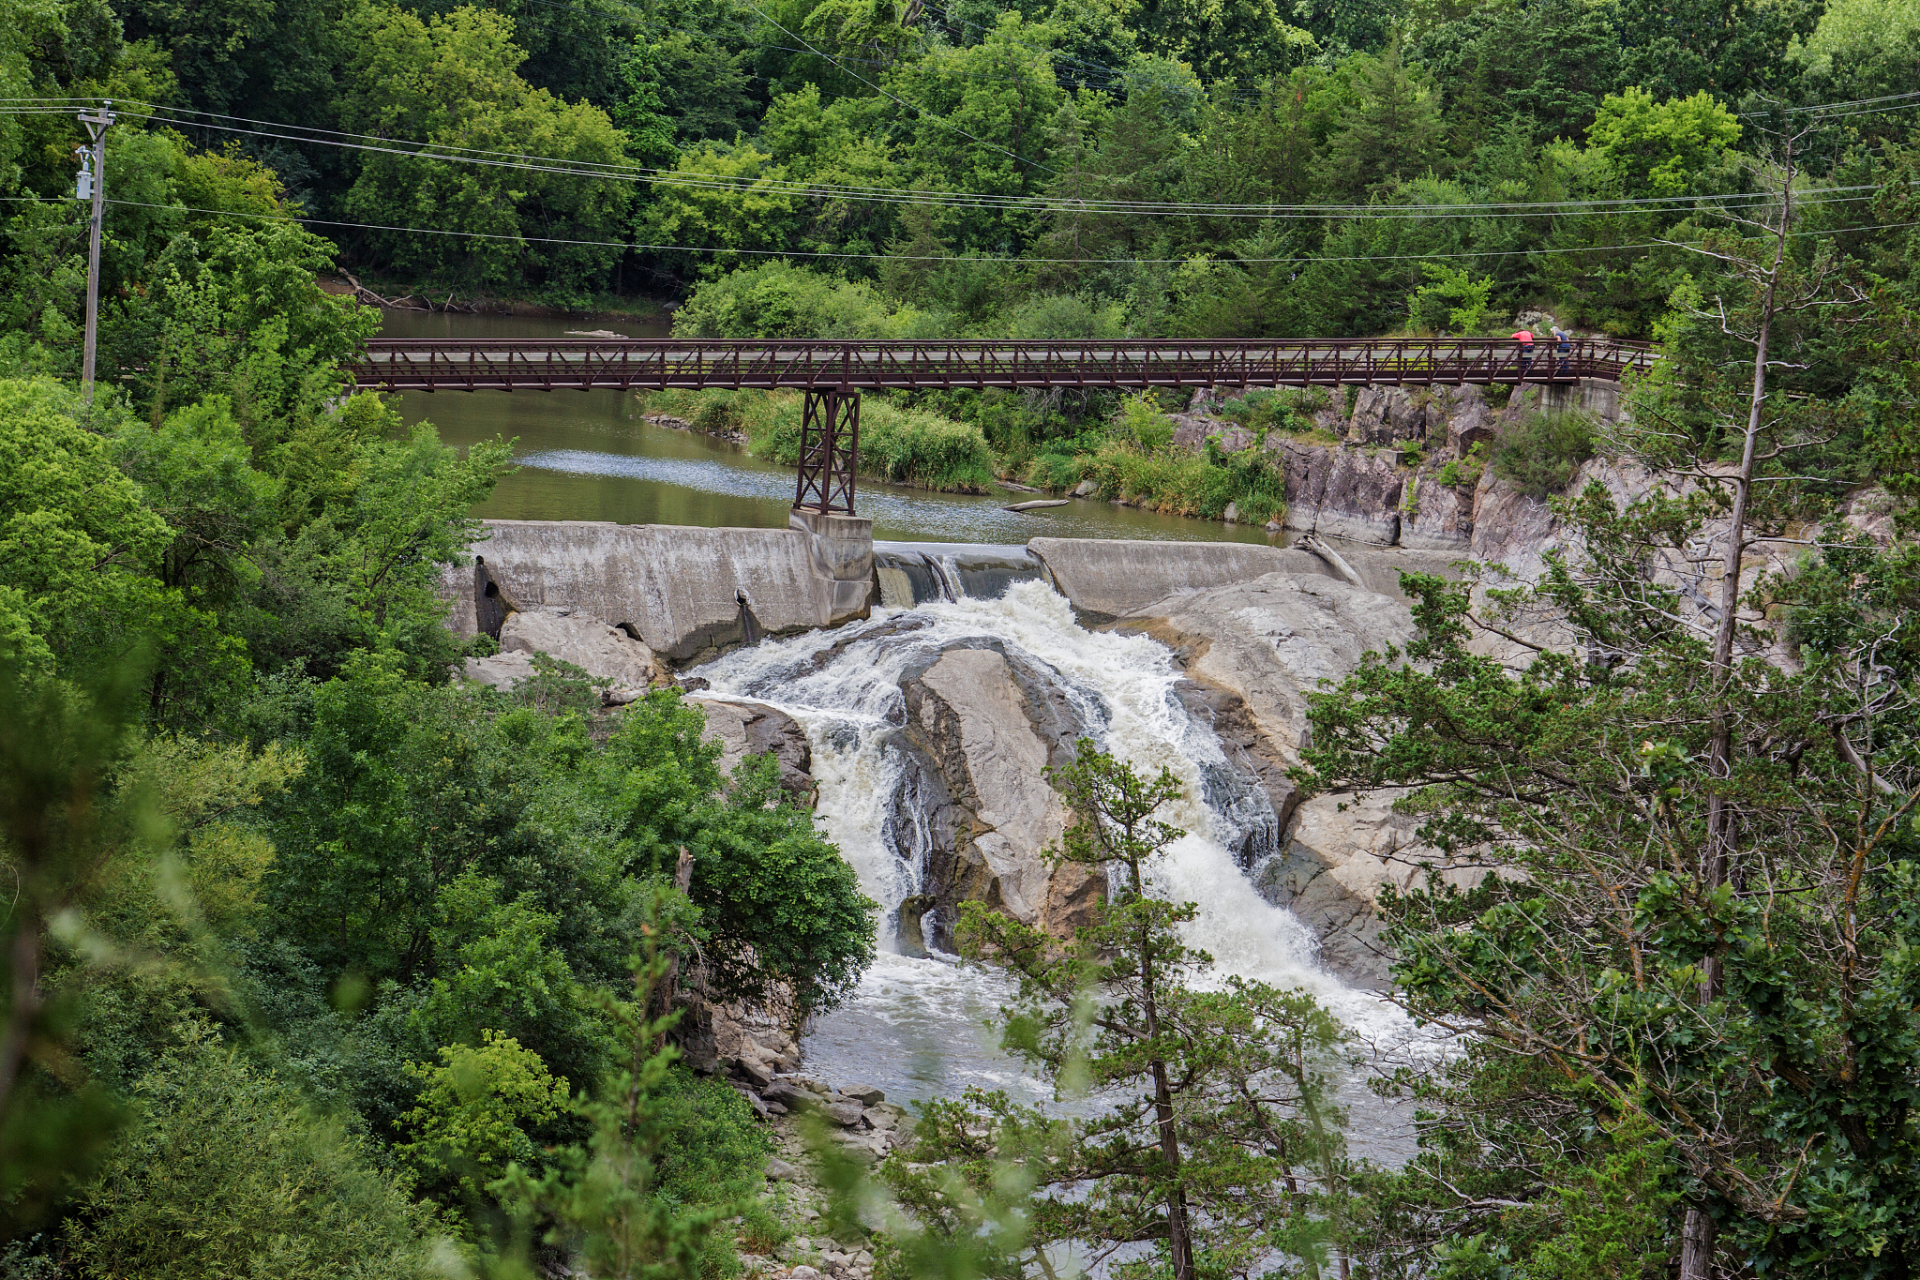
column 829, row 450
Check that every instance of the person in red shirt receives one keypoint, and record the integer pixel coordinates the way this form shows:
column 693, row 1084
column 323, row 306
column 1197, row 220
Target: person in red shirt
column 1525, row 339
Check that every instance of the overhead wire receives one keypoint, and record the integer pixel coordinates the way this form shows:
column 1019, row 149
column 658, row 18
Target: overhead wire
column 454, row 153
column 1003, row 260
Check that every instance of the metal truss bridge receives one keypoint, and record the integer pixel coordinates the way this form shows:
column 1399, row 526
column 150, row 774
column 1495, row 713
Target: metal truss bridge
column 833, row 374
column 508, row 364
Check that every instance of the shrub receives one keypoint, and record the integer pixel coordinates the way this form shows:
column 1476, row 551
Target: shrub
column 1465, row 471
column 780, row 300
column 227, row 1175
column 914, row 446
column 1059, row 317
column 1539, row 453
column 1055, row 471
column 904, row 446
column 1188, row 484
column 1141, row 422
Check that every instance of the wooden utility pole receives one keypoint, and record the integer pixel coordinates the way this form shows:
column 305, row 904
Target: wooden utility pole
column 93, row 183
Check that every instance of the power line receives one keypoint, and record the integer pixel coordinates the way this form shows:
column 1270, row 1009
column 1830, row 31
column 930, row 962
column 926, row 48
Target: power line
column 451, row 153
column 886, row 257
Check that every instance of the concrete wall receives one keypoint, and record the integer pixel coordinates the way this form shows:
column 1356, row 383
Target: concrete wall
column 691, row 594
column 688, row 593
column 1110, row 578
column 1107, row 578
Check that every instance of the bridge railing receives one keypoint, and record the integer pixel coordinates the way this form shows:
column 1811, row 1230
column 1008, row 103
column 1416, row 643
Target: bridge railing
column 659, row 364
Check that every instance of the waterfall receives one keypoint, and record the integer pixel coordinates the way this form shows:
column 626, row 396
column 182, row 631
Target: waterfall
column 844, row 688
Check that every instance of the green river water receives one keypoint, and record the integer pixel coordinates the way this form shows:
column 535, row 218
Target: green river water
column 589, row 456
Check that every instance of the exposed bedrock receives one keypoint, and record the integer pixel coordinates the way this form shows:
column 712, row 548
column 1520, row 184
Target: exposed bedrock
column 1253, row 652
column 1271, row 641
column 1374, row 476
column 982, row 730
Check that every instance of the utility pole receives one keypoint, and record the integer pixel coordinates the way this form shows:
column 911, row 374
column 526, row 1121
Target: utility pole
column 93, row 184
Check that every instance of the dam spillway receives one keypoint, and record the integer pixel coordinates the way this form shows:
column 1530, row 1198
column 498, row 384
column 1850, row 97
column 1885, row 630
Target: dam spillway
column 692, row 593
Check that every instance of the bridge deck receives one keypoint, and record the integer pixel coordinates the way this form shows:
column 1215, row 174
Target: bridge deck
column 581, row 364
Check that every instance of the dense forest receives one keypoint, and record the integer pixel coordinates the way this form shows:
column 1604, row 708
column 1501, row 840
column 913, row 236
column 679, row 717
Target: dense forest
column 322, row 963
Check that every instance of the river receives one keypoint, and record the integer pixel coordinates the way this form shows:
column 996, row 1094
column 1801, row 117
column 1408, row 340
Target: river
column 588, row 455
column 916, row 1028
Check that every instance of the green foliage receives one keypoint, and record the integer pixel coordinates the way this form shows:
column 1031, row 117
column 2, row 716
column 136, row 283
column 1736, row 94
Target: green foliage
column 1660, row 148
column 779, row 300
column 59, row 742
column 1538, row 453
column 454, row 80
column 1181, row 1147
column 898, row 444
column 1454, row 301
column 75, row 532
column 226, row 1173
column 1464, row 472
column 612, row 1194
column 475, row 1109
column 1614, row 1214
column 1715, row 986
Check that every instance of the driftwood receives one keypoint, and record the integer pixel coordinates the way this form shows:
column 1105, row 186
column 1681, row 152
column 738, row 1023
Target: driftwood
column 1035, row 506
column 405, row 301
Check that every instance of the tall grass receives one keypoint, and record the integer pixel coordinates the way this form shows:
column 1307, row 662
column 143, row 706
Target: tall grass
column 901, row 446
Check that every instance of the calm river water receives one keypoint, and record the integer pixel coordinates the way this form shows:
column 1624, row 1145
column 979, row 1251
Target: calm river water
column 587, row 455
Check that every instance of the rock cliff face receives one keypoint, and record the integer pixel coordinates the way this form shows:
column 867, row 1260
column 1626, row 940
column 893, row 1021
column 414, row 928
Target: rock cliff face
column 1382, row 483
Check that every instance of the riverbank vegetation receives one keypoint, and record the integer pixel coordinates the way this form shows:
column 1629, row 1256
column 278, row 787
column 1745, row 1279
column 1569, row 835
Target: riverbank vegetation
column 319, row 962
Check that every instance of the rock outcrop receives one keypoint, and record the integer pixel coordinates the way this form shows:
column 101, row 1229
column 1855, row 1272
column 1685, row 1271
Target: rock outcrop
column 1339, row 853
column 1343, row 493
column 1253, row 652
column 1272, row 640
column 602, row 651
column 754, row 728
column 985, row 739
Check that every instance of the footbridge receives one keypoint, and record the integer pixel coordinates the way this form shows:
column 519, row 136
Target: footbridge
column 833, row 374
column 508, row 364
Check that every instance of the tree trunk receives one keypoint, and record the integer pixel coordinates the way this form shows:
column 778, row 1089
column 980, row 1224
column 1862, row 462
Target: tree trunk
column 1179, row 1241
column 1697, row 1234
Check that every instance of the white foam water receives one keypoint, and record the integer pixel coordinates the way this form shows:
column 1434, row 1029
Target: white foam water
column 844, row 688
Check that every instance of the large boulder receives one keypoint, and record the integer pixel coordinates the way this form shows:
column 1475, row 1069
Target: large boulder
column 987, row 740
column 1342, row 850
column 754, row 728
column 603, row 651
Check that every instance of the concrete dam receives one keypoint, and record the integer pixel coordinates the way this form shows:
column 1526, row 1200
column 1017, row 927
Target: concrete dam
column 692, row 594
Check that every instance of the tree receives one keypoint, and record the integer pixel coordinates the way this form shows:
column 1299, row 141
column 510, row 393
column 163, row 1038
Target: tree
column 1389, row 134
column 1700, row 924
column 608, row 1193
column 1653, row 148
column 226, row 1173
column 1224, row 39
column 453, row 82
column 1215, row 1116
column 75, row 535
column 979, row 122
